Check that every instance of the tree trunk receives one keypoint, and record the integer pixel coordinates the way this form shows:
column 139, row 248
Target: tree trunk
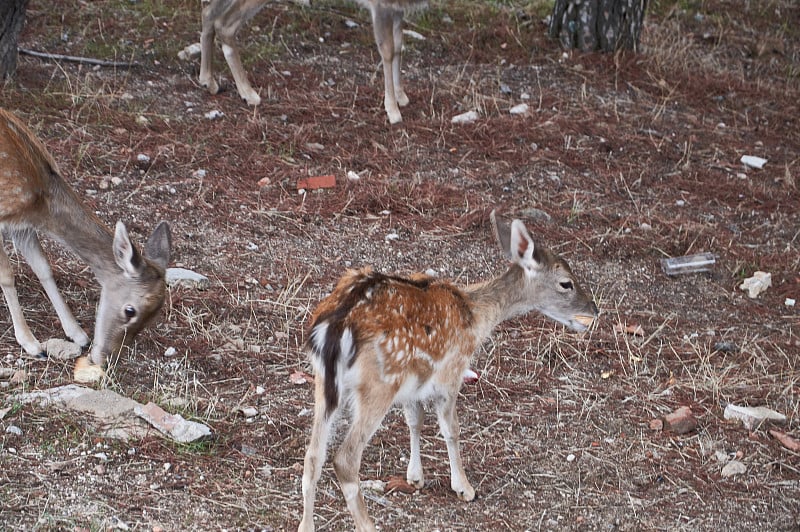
column 606, row 25
column 12, row 15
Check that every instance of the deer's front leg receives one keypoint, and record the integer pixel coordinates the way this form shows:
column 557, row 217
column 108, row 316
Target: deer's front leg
column 414, row 417
column 448, row 424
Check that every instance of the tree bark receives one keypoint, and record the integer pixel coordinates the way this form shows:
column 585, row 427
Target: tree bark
column 12, row 15
column 605, row 25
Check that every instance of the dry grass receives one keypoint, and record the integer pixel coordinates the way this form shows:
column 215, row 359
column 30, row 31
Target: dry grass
column 556, row 432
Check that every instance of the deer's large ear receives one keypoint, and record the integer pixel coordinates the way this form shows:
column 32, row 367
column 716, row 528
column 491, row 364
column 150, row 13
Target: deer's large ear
column 502, row 233
column 158, row 246
column 522, row 248
column 126, row 255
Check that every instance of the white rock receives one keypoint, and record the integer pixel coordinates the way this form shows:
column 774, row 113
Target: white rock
column 753, row 417
column 182, row 276
column 13, row 429
column 734, row 467
column 170, row 352
column 353, row 176
column 249, row 411
column 142, row 120
column 756, row 284
column 260, row 390
column 570, row 457
column 465, row 118
column 143, row 158
column 753, row 161
column 190, row 52
column 391, row 236
column 350, row 23
column 60, row 349
column 789, row 302
column 519, row 109
column 414, row 35
column 214, row 114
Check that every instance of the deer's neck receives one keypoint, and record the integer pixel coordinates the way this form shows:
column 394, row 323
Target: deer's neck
column 72, row 223
column 497, row 300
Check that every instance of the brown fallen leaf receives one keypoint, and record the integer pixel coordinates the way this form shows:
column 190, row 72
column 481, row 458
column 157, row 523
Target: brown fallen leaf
column 786, row 440
column 633, row 330
column 300, row 377
column 399, row 484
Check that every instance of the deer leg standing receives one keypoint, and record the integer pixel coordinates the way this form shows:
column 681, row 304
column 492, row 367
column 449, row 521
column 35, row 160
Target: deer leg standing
column 368, row 412
column 414, row 417
column 316, row 453
column 384, row 21
column 207, row 53
column 22, row 332
column 448, row 424
column 27, row 242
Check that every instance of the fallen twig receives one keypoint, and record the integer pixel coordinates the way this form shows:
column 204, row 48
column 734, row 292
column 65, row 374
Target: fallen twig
column 76, row 59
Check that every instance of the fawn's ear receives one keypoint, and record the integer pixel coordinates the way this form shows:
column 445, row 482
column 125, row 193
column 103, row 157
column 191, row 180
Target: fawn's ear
column 521, row 248
column 125, row 253
column 502, row 232
column 158, row 246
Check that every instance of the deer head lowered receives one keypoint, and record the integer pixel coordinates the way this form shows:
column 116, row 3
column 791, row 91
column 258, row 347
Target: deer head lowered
column 35, row 198
column 380, row 340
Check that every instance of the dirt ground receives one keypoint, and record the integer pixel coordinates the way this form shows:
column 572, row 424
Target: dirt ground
column 619, row 161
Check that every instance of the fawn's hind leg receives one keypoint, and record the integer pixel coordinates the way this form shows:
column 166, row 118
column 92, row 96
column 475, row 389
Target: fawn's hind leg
column 315, row 454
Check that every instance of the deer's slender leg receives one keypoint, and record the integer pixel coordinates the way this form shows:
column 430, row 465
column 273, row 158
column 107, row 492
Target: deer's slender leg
column 28, row 244
column 315, row 454
column 22, row 332
column 448, row 424
column 383, row 20
column 414, row 417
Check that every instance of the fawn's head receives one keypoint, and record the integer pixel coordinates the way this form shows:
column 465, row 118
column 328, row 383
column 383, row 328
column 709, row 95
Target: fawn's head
column 549, row 286
column 132, row 295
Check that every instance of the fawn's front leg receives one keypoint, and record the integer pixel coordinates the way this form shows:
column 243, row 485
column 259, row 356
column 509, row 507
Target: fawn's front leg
column 448, row 424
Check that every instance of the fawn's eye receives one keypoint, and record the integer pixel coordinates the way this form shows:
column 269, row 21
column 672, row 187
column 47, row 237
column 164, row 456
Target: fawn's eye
column 566, row 285
column 130, row 312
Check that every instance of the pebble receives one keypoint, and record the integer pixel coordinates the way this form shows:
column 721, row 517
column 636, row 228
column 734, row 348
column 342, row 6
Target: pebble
column 734, row 467
column 465, row 118
column 519, row 109
column 13, row 429
column 570, row 457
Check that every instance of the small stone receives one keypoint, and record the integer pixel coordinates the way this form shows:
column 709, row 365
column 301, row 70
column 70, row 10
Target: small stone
column 190, row 52
column 214, row 114
column 142, row 120
column 734, row 467
column 248, row 411
column 350, row 24
column 188, row 278
column 465, row 118
column 753, row 417
column 170, row 352
column 680, row 421
column 143, row 158
column 570, row 457
column 756, row 284
column 260, row 390
column 13, row 429
column 519, row 109
column 789, row 302
column 60, row 349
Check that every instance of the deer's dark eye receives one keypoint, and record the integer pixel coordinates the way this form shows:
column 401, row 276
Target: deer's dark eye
column 566, row 285
column 130, row 312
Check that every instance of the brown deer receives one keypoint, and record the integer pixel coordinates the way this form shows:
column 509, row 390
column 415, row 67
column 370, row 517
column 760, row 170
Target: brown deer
column 223, row 18
column 35, row 198
column 380, row 340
